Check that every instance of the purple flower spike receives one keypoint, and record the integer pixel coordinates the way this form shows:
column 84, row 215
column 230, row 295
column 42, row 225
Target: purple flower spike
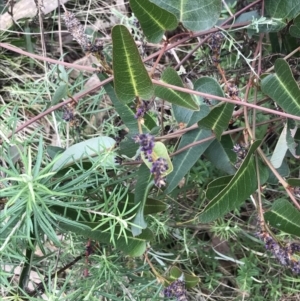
column 142, row 109
column 146, row 142
column 158, row 168
column 176, row 289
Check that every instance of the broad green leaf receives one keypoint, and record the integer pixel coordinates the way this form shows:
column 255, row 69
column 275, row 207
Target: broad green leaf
column 195, row 15
column 284, row 216
column 294, row 182
column 152, row 206
column 295, row 28
column 228, row 145
column 62, row 73
column 182, row 99
column 209, row 85
column 217, row 120
column 280, row 149
column 153, row 19
column 60, row 93
column 159, row 151
column 133, row 246
column 243, row 183
column 283, row 9
column 261, row 131
column 90, row 228
column 130, row 75
column 190, row 280
column 188, row 117
column 284, row 143
column 53, row 151
column 217, row 185
column 283, row 88
column 283, row 170
column 216, row 154
column 198, row 115
column 143, row 184
column 184, row 161
column 125, row 112
column 86, row 150
column 264, row 172
column 128, row 147
column 264, row 24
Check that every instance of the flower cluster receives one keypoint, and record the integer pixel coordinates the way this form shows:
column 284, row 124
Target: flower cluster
column 159, row 165
column 233, row 90
column 146, row 141
column 76, row 30
column 68, row 113
column 176, row 290
column 283, row 254
column 241, row 151
column 215, row 41
column 142, row 108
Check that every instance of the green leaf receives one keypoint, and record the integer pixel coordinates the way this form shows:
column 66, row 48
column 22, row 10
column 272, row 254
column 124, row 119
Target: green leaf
column 284, row 143
column 280, row 149
column 227, row 144
column 60, row 93
column 125, row 112
column 159, row 151
column 198, row 115
column 294, row 182
column 130, row 75
column 195, row 15
column 264, row 172
column 295, row 28
column 153, row 19
column 216, row 154
column 53, row 151
column 133, row 246
column 182, row 99
column 217, row 185
column 209, row 85
column 284, row 9
column 283, row 170
column 190, row 280
column 184, row 161
column 284, row 216
column 128, row 147
column 143, row 184
column 152, row 206
column 283, row 88
column 188, row 117
column 86, row 150
column 240, row 187
column 218, row 119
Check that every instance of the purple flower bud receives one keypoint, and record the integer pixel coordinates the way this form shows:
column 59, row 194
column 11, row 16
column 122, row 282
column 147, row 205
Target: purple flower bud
column 176, row 289
column 142, row 109
column 146, row 142
column 158, row 168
